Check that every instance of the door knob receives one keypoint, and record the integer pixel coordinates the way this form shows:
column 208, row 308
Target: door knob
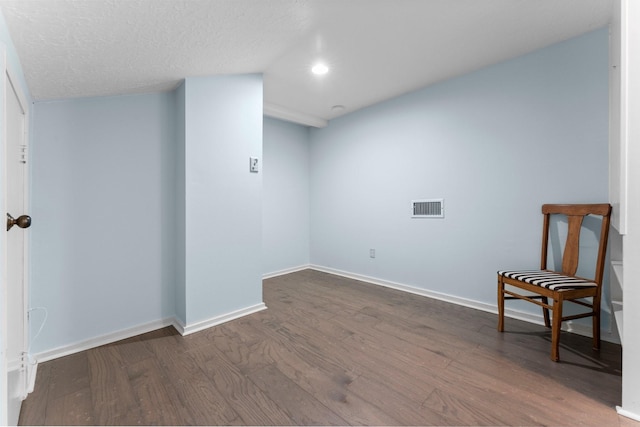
column 23, row 221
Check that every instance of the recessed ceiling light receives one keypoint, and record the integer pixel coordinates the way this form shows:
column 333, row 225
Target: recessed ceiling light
column 320, row 69
column 337, row 109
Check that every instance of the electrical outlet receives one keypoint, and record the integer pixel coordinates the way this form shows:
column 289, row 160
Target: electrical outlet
column 253, row 164
column 372, row 253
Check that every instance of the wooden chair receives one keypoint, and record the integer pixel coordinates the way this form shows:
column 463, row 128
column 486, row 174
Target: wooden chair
column 561, row 286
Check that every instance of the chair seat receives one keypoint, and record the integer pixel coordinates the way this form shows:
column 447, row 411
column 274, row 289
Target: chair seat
column 548, row 279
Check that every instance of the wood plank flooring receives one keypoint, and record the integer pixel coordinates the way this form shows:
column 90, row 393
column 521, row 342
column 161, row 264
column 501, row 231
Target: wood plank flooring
column 334, row 351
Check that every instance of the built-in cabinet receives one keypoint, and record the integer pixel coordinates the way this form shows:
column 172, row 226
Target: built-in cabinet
column 624, row 187
column 617, row 162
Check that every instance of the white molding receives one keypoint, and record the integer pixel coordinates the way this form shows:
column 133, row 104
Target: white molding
column 32, row 371
column 4, row 327
column 410, row 289
column 585, row 331
column 282, row 113
column 572, row 327
column 627, row 414
column 285, row 271
column 143, row 329
column 217, row 320
column 14, row 365
column 18, row 388
column 102, row 340
column 178, row 325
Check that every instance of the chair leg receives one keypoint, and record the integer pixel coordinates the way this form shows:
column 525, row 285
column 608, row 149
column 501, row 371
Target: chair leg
column 500, row 304
column 545, row 313
column 596, row 323
column 555, row 330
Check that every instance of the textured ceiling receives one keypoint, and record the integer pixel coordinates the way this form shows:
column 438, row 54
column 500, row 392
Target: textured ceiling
column 376, row 49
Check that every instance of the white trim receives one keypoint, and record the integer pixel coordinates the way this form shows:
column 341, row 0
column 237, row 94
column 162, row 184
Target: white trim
column 4, row 384
column 143, row 329
column 24, row 107
column 32, row 372
column 579, row 329
column 624, row 120
column 102, row 340
column 282, row 113
column 410, row 289
column 201, row 325
column 217, row 320
column 22, row 99
column 285, row 271
column 585, row 331
column 178, row 325
column 627, row 414
column 10, row 85
column 14, row 365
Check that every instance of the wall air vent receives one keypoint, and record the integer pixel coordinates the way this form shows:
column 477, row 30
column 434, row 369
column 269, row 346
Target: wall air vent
column 427, row 208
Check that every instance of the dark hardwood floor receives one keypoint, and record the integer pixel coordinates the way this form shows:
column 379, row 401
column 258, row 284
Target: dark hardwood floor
column 334, row 351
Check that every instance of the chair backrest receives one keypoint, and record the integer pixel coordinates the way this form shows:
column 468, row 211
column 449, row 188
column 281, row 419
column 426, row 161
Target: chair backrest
column 575, row 214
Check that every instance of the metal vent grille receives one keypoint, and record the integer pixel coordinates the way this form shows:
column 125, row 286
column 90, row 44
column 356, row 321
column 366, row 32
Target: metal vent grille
column 429, row 208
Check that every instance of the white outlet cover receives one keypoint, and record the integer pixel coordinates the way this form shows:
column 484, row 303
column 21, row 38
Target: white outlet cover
column 253, row 164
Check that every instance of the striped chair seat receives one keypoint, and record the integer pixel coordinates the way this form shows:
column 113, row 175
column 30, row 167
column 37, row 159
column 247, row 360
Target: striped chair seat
column 548, row 279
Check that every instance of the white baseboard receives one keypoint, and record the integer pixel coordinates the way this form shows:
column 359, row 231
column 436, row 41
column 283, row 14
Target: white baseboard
column 102, row 340
column 285, row 271
column 32, row 371
column 584, row 330
column 143, row 329
column 217, row 320
column 573, row 327
column 198, row 326
column 627, row 414
column 410, row 289
column 26, row 373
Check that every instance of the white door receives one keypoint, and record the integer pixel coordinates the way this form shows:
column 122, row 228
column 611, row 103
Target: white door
column 15, row 251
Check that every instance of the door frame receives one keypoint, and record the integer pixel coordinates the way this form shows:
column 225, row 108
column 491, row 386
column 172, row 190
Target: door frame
column 9, row 80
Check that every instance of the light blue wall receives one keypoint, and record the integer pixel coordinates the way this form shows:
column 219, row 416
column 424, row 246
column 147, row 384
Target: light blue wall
column 285, row 193
column 223, row 248
column 144, row 208
column 103, row 183
column 495, row 144
column 130, row 170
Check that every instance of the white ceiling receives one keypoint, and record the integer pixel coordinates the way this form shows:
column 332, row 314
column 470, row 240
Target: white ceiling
column 376, row 49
